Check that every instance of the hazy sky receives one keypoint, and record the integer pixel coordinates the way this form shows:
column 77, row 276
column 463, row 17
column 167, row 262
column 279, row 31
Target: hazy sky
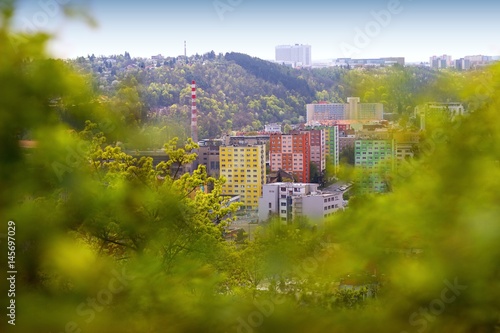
column 415, row 29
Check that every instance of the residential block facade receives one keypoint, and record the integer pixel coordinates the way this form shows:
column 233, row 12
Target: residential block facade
column 208, row 155
column 318, row 148
column 352, row 110
column 332, row 146
column 289, row 200
column 374, row 159
column 244, row 168
column 292, row 153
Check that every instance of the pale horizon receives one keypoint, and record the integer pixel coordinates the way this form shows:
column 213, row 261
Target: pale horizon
column 415, row 30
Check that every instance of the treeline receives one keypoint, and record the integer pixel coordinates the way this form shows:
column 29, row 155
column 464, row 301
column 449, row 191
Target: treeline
column 270, row 72
column 239, row 92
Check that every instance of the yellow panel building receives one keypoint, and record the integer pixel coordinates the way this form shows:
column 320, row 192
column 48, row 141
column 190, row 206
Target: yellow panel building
column 244, row 168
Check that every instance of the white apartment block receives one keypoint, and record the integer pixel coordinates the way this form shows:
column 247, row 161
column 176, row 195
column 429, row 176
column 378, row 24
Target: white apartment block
column 297, row 55
column 288, row 200
column 272, row 128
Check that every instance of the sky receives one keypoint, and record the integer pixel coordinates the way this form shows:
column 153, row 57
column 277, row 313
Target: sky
column 414, row 29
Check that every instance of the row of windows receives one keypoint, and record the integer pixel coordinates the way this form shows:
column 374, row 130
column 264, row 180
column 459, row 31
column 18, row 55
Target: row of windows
column 241, row 168
column 248, row 186
column 243, row 191
column 373, row 153
column 236, row 160
column 241, row 149
column 373, row 157
column 248, row 181
column 331, row 207
column 370, row 143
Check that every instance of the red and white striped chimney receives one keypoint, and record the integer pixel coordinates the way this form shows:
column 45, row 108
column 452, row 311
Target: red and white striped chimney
column 194, row 113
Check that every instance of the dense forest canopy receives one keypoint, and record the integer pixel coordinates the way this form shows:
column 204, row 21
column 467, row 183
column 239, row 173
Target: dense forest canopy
column 238, row 92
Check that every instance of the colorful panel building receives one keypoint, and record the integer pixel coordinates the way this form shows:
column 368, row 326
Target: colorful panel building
column 244, row 168
column 292, row 153
column 374, row 159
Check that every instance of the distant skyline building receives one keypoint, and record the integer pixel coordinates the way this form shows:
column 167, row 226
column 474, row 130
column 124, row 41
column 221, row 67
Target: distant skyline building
column 297, row 55
column 478, row 60
column 352, row 110
column 438, row 62
column 462, row 64
column 465, row 63
column 374, row 62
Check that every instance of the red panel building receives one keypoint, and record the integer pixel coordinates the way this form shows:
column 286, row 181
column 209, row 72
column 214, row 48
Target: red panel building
column 292, row 153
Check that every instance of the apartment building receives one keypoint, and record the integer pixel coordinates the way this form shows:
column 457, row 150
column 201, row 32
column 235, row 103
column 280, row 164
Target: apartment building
column 405, row 146
column 208, row 155
column 352, row 110
column 318, row 141
column 292, row 153
column 244, row 167
column 272, row 128
column 374, row 160
column 295, row 55
column 289, row 200
column 230, row 140
column 332, row 146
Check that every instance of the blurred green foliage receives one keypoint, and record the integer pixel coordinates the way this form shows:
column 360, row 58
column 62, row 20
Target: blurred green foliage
column 108, row 243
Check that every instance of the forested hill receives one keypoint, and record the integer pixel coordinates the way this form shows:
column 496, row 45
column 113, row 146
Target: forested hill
column 274, row 73
column 238, row 92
